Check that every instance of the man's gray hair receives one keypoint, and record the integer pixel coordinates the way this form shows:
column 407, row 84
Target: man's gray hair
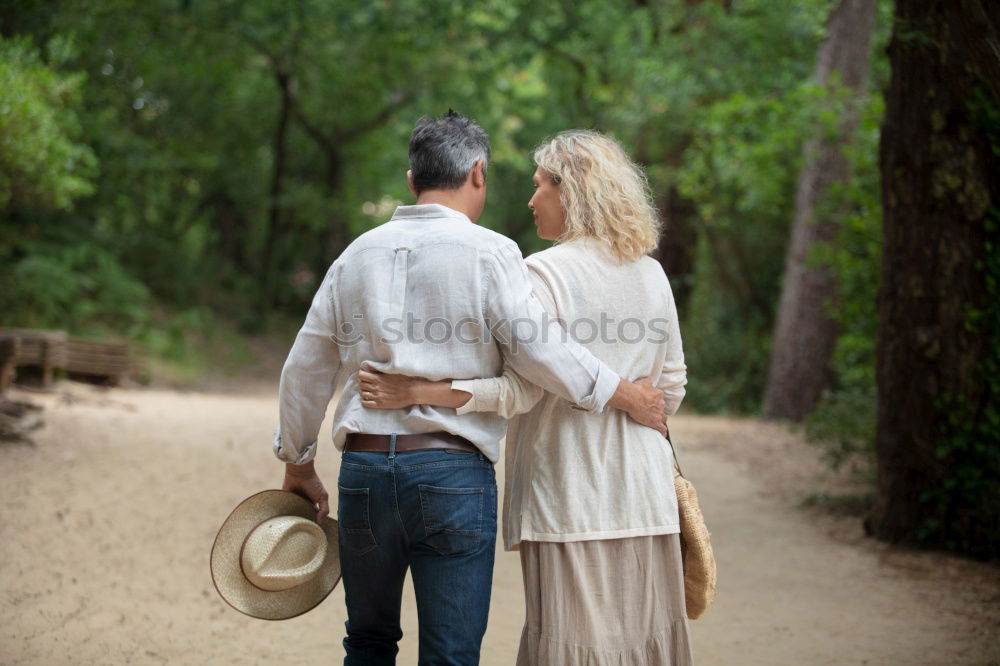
column 444, row 150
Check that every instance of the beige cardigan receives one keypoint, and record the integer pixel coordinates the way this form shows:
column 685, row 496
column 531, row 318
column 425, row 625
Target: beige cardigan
column 578, row 476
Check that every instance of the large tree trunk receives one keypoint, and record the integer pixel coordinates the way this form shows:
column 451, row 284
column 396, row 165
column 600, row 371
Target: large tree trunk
column 937, row 438
column 805, row 333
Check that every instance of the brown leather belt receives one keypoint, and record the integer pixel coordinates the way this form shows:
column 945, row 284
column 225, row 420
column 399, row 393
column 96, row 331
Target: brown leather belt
column 429, row 440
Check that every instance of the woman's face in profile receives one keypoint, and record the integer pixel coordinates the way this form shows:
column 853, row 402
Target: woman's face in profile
column 545, row 204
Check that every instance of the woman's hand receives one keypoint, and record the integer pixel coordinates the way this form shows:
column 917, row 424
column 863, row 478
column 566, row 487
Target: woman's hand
column 643, row 402
column 382, row 391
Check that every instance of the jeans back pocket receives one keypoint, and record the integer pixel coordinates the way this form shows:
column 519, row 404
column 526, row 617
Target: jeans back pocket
column 453, row 518
column 354, row 523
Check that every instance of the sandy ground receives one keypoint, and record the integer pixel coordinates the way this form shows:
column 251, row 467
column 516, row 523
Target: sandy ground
column 107, row 521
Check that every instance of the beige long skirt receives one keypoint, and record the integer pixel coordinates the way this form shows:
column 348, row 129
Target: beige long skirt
column 596, row 603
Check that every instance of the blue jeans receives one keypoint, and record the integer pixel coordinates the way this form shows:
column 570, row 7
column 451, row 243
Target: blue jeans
column 434, row 512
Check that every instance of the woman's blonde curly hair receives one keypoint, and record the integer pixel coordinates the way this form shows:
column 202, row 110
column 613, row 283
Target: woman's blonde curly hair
column 604, row 193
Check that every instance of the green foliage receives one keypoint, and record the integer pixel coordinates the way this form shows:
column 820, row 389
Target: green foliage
column 845, row 504
column 844, row 421
column 741, row 170
column 41, row 162
column 725, row 348
column 79, row 287
column 192, row 340
column 181, row 104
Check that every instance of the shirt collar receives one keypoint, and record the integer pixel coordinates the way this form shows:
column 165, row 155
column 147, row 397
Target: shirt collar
column 428, row 211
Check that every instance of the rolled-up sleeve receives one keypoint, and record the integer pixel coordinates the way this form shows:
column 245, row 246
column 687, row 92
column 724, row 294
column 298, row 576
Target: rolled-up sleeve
column 308, row 380
column 535, row 344
column 673, row 374
column 508, row 395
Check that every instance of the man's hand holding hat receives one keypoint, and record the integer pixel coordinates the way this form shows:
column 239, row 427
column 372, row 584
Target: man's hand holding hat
column 303, row 480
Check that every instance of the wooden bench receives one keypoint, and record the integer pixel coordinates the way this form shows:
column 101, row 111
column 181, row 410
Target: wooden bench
column 94, row 359
column 40, row 350
column 43, row 352
column 9, row 347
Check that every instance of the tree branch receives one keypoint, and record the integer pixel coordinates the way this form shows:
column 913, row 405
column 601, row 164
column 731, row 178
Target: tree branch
column 398, row 100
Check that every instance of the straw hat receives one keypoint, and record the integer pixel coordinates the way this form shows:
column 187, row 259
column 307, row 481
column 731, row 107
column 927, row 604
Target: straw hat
column 271, row 560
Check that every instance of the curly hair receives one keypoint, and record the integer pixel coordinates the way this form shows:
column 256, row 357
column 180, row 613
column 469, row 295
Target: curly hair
column 604, row 193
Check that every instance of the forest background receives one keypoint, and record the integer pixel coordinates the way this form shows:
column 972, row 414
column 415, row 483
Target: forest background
column 182, row 173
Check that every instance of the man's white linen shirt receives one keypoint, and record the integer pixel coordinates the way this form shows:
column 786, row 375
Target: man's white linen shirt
column 427, row 294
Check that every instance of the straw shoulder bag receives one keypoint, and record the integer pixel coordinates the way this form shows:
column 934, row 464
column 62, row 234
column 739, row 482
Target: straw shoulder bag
column 696, row 546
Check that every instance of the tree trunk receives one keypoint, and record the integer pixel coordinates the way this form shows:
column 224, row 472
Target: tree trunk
column 805, row 333
column 231, row 241
column 938, row 432
column 274, row 218
column 336, row 232
column 675, row 251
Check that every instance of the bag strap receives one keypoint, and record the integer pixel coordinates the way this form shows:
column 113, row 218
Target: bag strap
column 677, row 464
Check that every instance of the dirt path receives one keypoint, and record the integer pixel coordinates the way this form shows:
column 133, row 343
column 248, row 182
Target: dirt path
column 106, row 525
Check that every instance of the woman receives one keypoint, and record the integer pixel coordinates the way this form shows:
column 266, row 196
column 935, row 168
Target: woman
column 590, row 501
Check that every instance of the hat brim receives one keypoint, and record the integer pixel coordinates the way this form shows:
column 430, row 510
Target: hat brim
column 241, row 594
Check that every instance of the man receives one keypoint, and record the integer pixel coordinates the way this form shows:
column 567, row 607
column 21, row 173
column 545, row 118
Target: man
column 428, row 294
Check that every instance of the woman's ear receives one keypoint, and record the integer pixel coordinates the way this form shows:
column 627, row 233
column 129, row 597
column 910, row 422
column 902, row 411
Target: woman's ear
column 409, row 181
